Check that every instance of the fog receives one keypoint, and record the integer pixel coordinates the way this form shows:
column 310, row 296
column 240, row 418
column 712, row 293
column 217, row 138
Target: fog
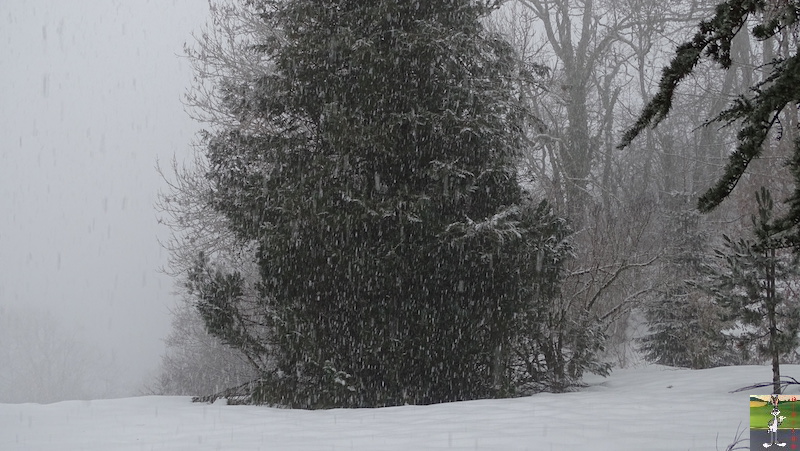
column 91, row 98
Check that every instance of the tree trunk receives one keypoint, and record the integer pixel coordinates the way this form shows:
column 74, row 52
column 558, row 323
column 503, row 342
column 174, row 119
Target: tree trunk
column 773, row 325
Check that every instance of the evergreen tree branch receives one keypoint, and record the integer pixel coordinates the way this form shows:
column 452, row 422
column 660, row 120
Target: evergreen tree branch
column 758, row 115
column 713, row 40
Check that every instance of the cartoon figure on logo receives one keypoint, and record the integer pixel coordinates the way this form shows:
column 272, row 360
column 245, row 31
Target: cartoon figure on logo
column 773, row 424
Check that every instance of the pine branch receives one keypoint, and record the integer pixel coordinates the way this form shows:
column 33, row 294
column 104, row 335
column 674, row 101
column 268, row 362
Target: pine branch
column 714, row 40
column 758, row 115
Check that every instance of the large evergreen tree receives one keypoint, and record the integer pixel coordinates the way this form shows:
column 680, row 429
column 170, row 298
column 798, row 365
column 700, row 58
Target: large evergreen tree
column 372, row 165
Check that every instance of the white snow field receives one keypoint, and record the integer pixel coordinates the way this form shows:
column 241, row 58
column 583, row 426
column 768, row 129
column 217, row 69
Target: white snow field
column 649, row 408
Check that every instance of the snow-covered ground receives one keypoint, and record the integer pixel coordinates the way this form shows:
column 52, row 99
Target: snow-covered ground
column 650, row 408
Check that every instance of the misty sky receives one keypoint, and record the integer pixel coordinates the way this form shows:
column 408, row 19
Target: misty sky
column 90, row 99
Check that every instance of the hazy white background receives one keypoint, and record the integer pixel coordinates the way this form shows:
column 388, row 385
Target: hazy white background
column 90, row 99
